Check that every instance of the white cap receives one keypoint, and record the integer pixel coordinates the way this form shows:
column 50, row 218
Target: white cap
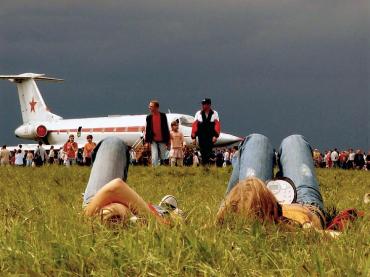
column 169, row 200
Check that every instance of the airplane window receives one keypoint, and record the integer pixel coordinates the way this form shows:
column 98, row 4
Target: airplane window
column 186, row 121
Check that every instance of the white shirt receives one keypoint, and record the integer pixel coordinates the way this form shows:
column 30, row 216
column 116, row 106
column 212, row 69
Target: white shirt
column 351, row 156
column 195, row 160
column 42, row 152
column 226, row 156
column 334, row 156
column 18, row 159
column 214, row 117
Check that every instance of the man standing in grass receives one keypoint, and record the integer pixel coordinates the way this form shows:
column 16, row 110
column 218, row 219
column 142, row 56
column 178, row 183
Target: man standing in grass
column 157, row 133
column 207, row 128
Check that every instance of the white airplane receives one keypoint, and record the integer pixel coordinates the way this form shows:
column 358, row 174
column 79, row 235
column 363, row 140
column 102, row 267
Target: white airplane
column 40, row 124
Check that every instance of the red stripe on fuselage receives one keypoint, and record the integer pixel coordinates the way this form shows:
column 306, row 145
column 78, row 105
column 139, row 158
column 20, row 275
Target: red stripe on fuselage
column 131, row 129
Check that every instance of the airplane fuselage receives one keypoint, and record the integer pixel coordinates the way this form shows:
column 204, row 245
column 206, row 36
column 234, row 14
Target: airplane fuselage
column 130, row 128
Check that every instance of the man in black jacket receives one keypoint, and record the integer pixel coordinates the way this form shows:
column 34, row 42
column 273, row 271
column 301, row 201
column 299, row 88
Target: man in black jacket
column 359, row 160
column 207, row 128
column 157, row 133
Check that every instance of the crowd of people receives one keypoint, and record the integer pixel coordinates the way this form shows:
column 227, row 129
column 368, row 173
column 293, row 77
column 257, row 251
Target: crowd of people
column 191, row 156
column 179, row 154
column 67, row 155
column 345, row 159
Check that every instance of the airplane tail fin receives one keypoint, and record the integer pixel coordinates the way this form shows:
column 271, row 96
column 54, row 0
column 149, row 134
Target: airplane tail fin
column 32, row 104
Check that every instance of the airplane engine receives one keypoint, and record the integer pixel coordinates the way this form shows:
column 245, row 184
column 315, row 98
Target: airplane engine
column 41, row 131
column 31, row 131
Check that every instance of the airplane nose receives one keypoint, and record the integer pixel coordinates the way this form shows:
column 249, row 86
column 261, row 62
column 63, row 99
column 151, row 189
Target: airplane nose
column 19, row 131
column 227, row 139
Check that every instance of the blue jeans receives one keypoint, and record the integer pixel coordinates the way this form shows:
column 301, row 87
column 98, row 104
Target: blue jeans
column 159, row 150
column 256, row 158
column 111, row 161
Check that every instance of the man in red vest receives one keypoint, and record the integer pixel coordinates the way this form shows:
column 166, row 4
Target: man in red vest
column 157, row 133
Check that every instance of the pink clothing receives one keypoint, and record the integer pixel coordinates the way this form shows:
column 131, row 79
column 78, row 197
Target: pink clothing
column 177, row 143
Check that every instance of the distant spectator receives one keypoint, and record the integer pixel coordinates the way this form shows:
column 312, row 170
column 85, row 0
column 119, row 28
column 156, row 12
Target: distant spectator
column 40, row 155
column 219, row 158
column 145, row 156
column 334, row 156
column 234, row 155
column 51, row 155
column 88, row 149
column 4, row 156
column 328, row 161
column 316, row 157
column 196, row 159
column 343, row 159
column 70, row 149
column 133, row 157
column 351, row 159
column 61, row 155
column 227, row 157
column 212, row 158
column 157, row 134
column 359, row 160
column 20, row 147
column 18, row 158
column 12, row 157
column 188, row 157
column 29, row 158
column 79, row 157
column 177, row 145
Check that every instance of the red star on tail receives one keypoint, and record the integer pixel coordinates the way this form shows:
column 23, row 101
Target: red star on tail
column 33, row 104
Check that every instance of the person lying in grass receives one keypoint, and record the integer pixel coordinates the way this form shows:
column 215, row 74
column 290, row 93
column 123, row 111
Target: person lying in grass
column 248, row 196
column 108, row 195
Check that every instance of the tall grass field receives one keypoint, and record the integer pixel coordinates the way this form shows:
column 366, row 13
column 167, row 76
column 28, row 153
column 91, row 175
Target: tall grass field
column 43, row 232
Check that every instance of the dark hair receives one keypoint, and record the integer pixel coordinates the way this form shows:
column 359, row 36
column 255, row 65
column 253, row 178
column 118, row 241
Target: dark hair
column 206, row 101
column 89, row 137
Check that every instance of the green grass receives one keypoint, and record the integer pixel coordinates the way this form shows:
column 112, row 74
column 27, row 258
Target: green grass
column 42, row 231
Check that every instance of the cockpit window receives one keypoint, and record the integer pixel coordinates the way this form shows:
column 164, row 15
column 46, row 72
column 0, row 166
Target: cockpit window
column 186, row 121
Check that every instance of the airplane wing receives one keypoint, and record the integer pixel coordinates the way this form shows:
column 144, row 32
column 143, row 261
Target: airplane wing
column 34, row 76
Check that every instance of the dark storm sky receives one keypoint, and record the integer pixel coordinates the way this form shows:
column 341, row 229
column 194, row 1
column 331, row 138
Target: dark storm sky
column 273, row 67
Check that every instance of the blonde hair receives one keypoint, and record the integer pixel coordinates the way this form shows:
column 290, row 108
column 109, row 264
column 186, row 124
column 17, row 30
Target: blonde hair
column 155, row 103
column 250, row 198
column 114, row 213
